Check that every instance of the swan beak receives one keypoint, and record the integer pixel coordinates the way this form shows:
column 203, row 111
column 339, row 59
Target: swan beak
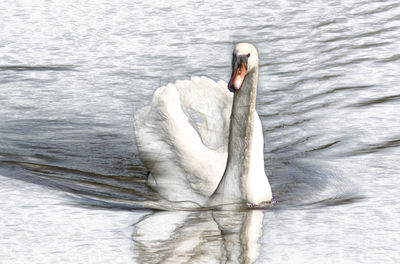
column 237, row 78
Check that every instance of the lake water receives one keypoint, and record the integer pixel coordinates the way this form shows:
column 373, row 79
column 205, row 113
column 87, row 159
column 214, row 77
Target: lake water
column 72, row 74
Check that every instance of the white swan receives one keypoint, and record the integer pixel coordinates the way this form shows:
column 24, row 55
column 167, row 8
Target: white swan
column 199, row 140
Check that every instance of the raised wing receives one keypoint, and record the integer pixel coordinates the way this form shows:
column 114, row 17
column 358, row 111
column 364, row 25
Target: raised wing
column 182, row 138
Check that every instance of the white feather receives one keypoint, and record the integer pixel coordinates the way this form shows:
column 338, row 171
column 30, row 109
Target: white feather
column 186, row 155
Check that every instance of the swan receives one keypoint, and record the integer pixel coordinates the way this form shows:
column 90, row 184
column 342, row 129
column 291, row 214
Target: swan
column 202, row 142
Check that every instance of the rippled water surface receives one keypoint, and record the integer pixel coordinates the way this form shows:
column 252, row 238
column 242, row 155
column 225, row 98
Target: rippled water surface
column 73, row 73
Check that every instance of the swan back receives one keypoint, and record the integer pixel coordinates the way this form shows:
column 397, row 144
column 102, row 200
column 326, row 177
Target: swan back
column 208, row 107
column 182, row 138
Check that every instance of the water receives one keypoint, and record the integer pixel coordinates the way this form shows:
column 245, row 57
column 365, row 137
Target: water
column 72, row 74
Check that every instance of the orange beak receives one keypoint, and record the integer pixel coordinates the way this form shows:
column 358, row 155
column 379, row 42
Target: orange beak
column 237, row 78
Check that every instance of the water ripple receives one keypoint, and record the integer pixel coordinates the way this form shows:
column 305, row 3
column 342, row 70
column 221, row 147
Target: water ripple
column 377, row 147
column 38, row 68
column 361, row 35
column 381, row 100
column 381, row 9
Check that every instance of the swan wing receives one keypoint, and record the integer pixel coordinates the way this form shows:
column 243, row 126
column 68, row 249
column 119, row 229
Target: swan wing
column 182, row 137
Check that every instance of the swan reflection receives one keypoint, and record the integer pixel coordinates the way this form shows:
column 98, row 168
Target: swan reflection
column 199, row 237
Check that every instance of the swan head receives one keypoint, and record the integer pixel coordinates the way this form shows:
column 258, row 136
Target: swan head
column 244, row 61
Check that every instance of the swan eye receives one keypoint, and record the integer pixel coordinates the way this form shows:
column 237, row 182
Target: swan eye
column 248, row 55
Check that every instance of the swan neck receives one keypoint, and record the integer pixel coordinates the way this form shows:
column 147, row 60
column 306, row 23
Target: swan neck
column 242, row 125
column 240, row 138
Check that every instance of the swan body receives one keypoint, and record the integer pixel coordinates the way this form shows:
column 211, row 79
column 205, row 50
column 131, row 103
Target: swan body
column 203, row 143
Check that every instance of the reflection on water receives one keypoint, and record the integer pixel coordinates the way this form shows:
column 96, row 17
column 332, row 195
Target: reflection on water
column 199, row 237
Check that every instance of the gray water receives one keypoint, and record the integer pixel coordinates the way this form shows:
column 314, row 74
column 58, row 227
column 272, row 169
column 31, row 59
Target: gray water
column 73, row 73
